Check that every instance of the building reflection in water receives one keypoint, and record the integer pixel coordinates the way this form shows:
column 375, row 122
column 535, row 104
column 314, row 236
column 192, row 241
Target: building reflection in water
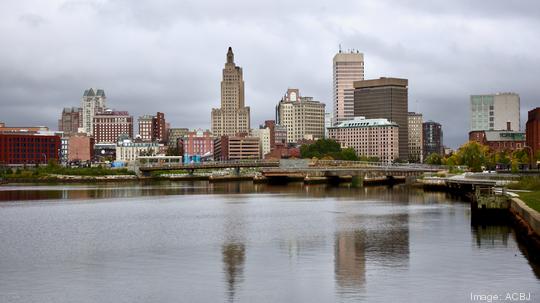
column 234, row 255
column 350, row 261
column 233, row 249
column 489, row 236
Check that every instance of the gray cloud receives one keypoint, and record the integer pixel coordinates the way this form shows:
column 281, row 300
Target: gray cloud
column 167, row 55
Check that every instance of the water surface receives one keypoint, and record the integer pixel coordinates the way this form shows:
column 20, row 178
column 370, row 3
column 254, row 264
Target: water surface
column 239, row 242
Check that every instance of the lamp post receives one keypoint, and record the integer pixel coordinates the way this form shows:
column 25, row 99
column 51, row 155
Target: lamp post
column 44, row 156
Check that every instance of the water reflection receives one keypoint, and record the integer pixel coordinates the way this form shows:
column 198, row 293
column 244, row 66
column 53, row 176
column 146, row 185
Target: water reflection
column 489, row 236
column 233, row 249
column 350, row 261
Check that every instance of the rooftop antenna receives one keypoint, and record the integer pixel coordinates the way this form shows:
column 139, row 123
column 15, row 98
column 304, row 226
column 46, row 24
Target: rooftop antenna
column 340, row 48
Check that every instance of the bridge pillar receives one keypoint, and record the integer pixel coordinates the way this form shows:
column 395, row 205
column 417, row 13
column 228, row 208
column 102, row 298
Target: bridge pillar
column 358, row 180
column 237, row 171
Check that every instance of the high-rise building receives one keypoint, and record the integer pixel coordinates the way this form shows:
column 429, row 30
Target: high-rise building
column 385, row 98
column 415, row 137
column 368, row 137
column 70, row 121
column 93, row 102
column 495, row 111
column 533, row 130
column 110, row 125
column 145, row 128
column 432, row 135
column 347, row 68
column 159, row 128
column 302, row 116
column 233, row 116
column 174, row 134
column 153, row 128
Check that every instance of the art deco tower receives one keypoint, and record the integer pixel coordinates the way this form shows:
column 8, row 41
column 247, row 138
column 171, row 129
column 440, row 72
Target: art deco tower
column 233, row 117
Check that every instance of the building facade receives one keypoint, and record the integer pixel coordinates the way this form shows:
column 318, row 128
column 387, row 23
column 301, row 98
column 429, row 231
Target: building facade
column 110, row 125
column 347, row 68
column 198, row 143
column 127, row 150
column 265, row 135
column 233, row 116
column 159, row 128
column 495, row 111
column 368, row 137
column 236, row 148
column 415, row 121
column 432, row 135
column 81, row 148
column 70, row 121
column 301, row 116
column 533, row 130
column 29, row 148
column 385, row 98
column 93, row 102
column 499, row 140
column 145, row 128
column 174, row 134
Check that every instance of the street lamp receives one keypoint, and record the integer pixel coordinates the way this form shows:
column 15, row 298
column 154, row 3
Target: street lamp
column 45, row 156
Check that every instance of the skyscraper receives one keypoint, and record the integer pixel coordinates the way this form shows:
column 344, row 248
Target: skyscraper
column 385, row 98
column 433, row 138
column 70, row 121
column 233, row 116
column 415, row 137
column 92, row 103
column 347, row 68
column 302, row 116
column 495, row 111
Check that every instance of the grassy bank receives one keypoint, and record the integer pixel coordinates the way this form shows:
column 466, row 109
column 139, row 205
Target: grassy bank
column 531, row 198
column 51, row 171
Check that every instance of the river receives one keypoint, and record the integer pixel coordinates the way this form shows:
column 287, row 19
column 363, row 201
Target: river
column 240, row 242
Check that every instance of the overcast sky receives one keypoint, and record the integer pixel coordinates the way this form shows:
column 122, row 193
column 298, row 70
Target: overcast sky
column 167, row 55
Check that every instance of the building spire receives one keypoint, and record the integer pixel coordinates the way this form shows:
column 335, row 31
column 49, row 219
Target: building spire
column 230, row 56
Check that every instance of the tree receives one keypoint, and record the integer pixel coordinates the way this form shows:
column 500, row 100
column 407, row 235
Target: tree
column 434, row 159
column 348, row 154
column 173, row 151
column 473, row 154
column 320, row 148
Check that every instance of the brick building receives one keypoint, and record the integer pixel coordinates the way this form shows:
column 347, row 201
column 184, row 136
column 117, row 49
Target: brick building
column 237, row 147
column 110, row 125
column 533, row 130
column 70, row 121
column 499, row 141
column 80, row 148
column 29, row 148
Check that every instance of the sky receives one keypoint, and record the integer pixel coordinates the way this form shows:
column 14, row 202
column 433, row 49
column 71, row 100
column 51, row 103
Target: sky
column 166, row 55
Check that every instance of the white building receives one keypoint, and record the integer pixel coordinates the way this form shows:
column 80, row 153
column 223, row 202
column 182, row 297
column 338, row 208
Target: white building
column 263, row 133
column 347, row 68
column 495, row 111
column 368, row 137
column 93, row 102
column 302, row 116
column 415, row 137
column 127, row 150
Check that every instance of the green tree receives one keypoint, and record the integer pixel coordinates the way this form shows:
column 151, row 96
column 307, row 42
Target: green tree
column 348, row 154
column 474, row 155
column 433, row 159
column 320, row 148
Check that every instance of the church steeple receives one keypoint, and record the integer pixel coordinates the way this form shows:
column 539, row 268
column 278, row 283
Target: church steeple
column 230, row 56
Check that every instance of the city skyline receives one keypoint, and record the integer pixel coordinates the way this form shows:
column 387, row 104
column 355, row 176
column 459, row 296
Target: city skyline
column 148, row 64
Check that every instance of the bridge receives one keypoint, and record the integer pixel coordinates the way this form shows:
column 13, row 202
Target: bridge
column 335, row 169
column 148, row 167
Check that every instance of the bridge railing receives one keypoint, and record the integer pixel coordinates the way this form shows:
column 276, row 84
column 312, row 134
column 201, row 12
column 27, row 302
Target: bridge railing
column 210, row 164
column 366, row 164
